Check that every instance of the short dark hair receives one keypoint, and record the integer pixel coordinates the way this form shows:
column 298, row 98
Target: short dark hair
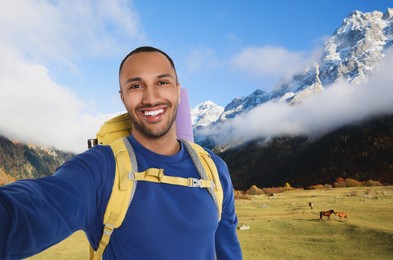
column 147, row 49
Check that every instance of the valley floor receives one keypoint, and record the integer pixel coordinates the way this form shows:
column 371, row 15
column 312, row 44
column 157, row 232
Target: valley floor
column 284, row 226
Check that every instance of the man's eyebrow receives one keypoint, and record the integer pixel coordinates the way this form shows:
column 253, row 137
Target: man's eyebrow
column 165, row 76
column 133, row 79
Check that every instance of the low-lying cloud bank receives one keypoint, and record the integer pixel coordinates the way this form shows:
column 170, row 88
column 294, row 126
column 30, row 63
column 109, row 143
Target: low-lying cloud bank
column 35, row 109
column 339, row 104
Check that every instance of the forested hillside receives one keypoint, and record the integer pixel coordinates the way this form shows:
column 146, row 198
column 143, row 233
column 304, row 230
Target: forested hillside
column 361, row 151
column 20, row 161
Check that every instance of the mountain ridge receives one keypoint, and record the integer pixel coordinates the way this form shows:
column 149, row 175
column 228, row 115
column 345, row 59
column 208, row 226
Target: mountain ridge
column 21, row 161
column 352, row 53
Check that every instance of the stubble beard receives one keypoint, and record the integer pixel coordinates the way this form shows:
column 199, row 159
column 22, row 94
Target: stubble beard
column 153, row 132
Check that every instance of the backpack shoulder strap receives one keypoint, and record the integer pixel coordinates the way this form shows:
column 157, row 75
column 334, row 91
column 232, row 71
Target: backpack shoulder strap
column 208, row 171
column 122, row 192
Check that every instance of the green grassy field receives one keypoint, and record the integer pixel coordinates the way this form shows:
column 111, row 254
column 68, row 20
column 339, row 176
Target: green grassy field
column 284, row 227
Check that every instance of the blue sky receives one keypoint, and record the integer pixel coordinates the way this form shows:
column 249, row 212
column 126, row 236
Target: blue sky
column 59, row 67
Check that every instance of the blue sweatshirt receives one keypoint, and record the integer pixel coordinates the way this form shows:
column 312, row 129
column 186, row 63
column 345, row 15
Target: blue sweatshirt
column 163, row 222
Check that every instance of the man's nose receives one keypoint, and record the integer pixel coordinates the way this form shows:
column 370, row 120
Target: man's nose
column 151, row 95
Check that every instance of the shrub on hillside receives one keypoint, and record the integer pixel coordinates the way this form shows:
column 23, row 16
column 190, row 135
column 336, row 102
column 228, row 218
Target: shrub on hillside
column 340, row 179
column 350, row 182
column 241, row 195
column 316, row 187
column 254, row 190
column 339, row 183
column 353, row 183
column 319, row 187
column 372, row 183
column 287, row 188
column 273, row 190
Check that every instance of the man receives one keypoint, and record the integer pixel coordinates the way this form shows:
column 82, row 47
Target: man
column 162, row 222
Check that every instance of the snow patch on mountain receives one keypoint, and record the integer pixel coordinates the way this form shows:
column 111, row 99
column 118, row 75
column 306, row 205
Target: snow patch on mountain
column 205, row 114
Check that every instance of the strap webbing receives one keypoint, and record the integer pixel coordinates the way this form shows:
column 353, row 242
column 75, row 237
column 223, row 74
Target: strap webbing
column 158, row 176
column 208, row 171
column 106, row 236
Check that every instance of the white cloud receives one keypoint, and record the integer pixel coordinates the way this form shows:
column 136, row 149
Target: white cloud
column 67, row 29
column 34, row 108
column 340, row 104
column 269, row 61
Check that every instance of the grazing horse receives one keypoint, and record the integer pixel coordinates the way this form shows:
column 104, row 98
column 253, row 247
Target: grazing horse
column 341, row 215
column 326, row 214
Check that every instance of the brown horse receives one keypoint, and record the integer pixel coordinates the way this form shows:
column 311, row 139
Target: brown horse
column 326, row 214
column 341, row 215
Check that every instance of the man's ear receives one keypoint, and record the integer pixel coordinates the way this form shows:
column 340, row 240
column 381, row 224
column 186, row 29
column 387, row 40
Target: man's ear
column 121, row 96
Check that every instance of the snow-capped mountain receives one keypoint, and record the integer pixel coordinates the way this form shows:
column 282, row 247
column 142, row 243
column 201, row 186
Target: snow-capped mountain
column 351, row 53
column 205, row 114
column 244, row 104
column 354, row 50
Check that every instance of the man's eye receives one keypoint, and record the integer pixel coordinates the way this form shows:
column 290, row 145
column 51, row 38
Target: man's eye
column 135, row 86
column 162, row 82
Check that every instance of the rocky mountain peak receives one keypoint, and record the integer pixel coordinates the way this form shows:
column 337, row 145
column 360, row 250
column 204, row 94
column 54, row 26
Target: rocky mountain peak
column 388, row 14
column 205, row 114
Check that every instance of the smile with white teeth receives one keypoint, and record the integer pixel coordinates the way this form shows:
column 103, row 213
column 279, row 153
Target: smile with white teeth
column 154, row 113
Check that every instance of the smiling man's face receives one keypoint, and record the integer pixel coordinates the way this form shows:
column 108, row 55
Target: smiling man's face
column 150, row 93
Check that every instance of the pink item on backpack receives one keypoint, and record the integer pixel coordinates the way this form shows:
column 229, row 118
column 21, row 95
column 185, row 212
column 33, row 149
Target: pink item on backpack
column 183, row 118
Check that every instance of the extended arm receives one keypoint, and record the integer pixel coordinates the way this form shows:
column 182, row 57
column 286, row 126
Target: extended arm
column 36, row 214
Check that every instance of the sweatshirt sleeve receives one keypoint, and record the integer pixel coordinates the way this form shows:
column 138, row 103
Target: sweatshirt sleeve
column 227, row 243
column 36, row 214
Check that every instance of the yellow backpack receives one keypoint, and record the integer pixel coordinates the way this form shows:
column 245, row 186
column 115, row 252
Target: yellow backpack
column 114, row 132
